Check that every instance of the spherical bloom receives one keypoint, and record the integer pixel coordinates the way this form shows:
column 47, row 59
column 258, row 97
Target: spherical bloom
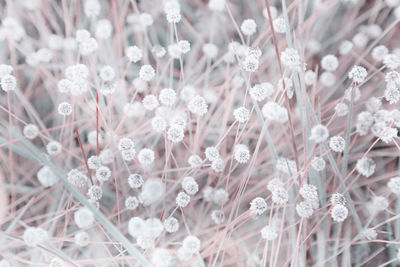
column 392, row 94
column 290, row 58
column 241, row 114
column 131, row 203
column 30, row 131
column 187, row 93
column 146, row 19
column 173, row 15
column 286, row 166
column 274, row 183
column 241, row 153
column 217, row 216
column 76, row 73
column 210, row 50
column 103, row 29
column 251, row 64
column 184, row 46
column 46, row 177
column 182, row 199
column 92, row 8
column 269, row 232
column 337, row 143
column 369, row 234
column 95, row 192
column 103, row 173
column 8, row 83
column 341, row 109
column 158, row 124
column 358, row 74
column 377, row 204
column 161, row 257
column 279, row 25
column 108, row 88
column 273, row 11
column 135, row 180
column 379, row 52
column 81, row 238
column 195, row 161
column 134, row 110
column 329, row 63
column 107, row 73
column 258, row 206
column 319, row 133
column 198, row 106
column 327, row 79
column 364, row 122
column 64, row 109
column 175, row 134
column 309, row 192
column 260, row 92
column 219, row 196
column 216, row 5
column 53, row 148
column 82, row 35
column 94, row 162
column 338, row 198
column 280, row 196
column 158, row 51
column 134, row 53
column 77, row 178
column 309, row 77
column 57, row 262
column 146, row 156
column 339, row 213
column 184, row 255
column 150, row 102
column 391, row 61
column 83, row 218
column 171, row 225
column 318, row 164
column 167, row 97
column 88, row 46
column 365, row 166
column 248, row 27
column 34, row 236
column 212, row 153
column 136, row 226
column 218, row 165
column 5, row 70
column 189, row 185
column 360, row 40
column 394, row 185
column 125, row 144
column 146, row 73
column 153, row 190
column 191, row 243
column 304, row 209
column 273, row 111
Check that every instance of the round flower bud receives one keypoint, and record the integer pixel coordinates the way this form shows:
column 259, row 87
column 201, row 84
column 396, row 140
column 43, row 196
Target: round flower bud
column 150, row 102
column 339, row 213
column 103, row 174
column 107, row 73
column 319, row 133
column 365, row 166
column 95, row 192
column 30, row 131
column 241, row 114
column 8, row 83
column 167, row 97
column 131, row 203
column 135, row 180
column 241, row 153
column 53, row 148
column 329, row 63
column 171, row 225
column 146, row 73
column 189, row 185
column 248, row 27
column 269, row 232
column 212, row 153
column 192, row 244
column 337, row 143
column 64, row 109
column 197, row 105
column 81, row 239
column 258, row 206
column 83, row 218
column 182, row 199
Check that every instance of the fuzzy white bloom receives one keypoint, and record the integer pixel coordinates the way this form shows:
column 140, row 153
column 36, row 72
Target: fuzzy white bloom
column 34, row 236
column 269, row 232
column 339, row 213
column 338, row 198
column 167, row 97
column 30, row 131
column 341, row 109
column 103, row 174
column 81, row 239
column 280, row 196
column 146, row 73
column 394, row 185
column 158, row 124
column 365, row 166
column 248, row 27
column 358, row 74
column 369, row 234
column 260, row 92
column 210, row 50
column 8, row 83
column 182, row 199
column 329, row 63
column 379, row 52
column 195, row 161
column 191, row 243
column 146, row 156
column 46, row 177
column 241, row 153
column 171, row 225
column 273, row 111
column 153, row 190
column 134, row 53
column 337, row 143
column 258, row 206
column 131, row 203
column 198, row 106
column 135, row 180
column 241, row 114
column 304, row 209
column 391, row 61
column 189, row 185
column 291, row 59
column 279, row 25
column 175, row 134
column 318, row 164
column 319, row 133
column 84, row 218
column 53, row 148
column 161, row 257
